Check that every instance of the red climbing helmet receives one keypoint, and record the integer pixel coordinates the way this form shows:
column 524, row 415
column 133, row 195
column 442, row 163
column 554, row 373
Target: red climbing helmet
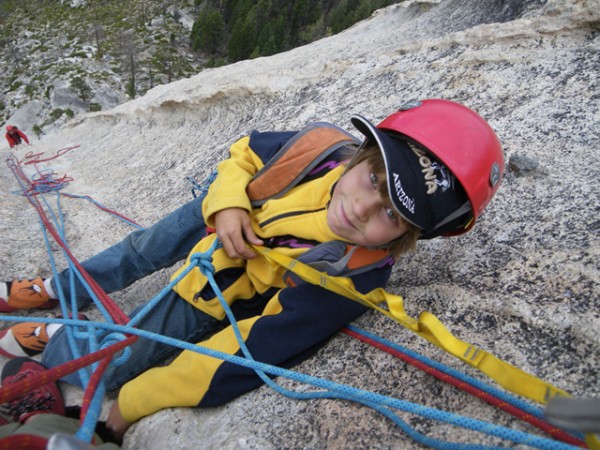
column 460, row 139
column 9, row 128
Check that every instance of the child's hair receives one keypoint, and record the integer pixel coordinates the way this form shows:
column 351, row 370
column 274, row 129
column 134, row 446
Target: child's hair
column 372, row 154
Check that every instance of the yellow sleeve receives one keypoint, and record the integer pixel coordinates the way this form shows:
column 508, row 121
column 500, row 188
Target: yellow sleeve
column 229, row 188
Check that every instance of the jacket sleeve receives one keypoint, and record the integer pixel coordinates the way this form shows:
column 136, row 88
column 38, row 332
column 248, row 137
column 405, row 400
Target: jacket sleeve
column 23, row 136
column 247, row 156
column 295, row 323
column 10, row 140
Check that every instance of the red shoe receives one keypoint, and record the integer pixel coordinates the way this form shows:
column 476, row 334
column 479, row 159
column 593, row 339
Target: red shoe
column 39, row 400
column 25, row 294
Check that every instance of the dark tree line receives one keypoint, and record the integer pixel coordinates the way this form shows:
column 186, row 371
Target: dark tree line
column 242, row 29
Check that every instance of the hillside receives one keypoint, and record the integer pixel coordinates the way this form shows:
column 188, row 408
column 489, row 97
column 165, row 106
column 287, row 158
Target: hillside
column 523, row 285
column 63, row 58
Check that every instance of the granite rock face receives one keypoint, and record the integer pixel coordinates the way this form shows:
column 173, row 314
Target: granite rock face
column 523, row 285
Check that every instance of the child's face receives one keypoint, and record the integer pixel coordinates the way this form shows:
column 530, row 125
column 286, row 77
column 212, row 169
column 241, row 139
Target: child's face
column 358, row 213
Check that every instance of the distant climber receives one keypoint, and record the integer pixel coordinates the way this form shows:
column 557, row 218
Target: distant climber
column 14, row 136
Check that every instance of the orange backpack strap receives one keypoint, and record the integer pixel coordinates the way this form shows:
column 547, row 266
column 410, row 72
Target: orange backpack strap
column 295, row 159
column 336, row 258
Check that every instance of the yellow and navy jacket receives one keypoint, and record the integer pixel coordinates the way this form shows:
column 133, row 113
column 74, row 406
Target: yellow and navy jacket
column 282, row 319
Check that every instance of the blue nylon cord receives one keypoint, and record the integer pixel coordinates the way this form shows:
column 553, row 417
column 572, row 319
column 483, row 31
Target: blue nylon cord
column 354, row 393
column 455, row 373
column 86, row 431
column 87, row 428
column 333, row 390
column 378, row 402
column 412, row 433
column 104, row 208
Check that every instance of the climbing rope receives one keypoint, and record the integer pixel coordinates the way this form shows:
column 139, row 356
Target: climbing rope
column 123, row 335
column 32, row 158
column 493, row 396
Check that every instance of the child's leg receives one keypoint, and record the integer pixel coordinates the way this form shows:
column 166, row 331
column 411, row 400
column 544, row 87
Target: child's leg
column 172, row 316
column 142, row 252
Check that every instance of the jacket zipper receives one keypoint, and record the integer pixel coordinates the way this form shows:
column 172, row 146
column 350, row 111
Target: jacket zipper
column 289, row 214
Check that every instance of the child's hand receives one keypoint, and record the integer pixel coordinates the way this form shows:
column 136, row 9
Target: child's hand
column 115, row 421
column 234, row 229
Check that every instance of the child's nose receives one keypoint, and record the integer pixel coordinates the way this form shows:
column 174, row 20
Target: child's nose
column 364, row 206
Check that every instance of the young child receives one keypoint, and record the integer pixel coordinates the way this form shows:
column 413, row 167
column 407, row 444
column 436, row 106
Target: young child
column 425, row 171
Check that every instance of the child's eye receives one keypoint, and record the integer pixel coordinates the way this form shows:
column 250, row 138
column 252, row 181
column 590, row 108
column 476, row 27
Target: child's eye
column 391, row 214
column 374, row 180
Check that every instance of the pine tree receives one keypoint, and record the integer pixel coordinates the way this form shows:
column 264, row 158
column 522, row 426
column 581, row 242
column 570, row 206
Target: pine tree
column 208, row 32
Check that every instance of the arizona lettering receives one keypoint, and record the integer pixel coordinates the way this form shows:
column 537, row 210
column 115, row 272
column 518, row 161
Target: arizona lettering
column 406, row 201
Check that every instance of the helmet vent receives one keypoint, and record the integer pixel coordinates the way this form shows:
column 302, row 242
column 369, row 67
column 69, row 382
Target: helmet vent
column 410, row 105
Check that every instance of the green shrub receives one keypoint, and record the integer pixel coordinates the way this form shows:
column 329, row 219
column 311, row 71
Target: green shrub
column 95, row 107
column 37, row 130
column 56, row 114
column 30, row 90
column 82, row 88
column 16, row 85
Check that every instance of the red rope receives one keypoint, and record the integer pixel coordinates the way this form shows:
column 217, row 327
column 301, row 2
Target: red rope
column 60, row 152
column 489, row 398
column 93, row 385
column 115, row 312
column 103, row 208
column 20, row 388
column 23, row 442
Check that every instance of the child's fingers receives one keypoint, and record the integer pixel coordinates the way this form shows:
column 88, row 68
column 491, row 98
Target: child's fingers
column 250, row 235
column 236, row 247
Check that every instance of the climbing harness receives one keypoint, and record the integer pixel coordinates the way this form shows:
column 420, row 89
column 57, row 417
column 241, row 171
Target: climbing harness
column 427, row 326
column 124, row 333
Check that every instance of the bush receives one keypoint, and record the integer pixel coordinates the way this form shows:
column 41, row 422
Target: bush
column 56, row 114
column 16, row 85
column 82, row 88
column 95, row 107
column 37, row 130
column 30, row 90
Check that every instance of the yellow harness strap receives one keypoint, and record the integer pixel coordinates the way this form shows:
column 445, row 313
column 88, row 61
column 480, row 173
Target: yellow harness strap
column 593, row 441
column 427, row 326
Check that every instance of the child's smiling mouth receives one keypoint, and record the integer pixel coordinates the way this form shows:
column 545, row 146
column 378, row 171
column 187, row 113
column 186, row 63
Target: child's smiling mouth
column 345, row 219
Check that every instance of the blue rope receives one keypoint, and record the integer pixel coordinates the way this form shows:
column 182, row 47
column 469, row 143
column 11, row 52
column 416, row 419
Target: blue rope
column 200, row 190
column 345, row 390
column 333, row 390
column 87, row 429
column 455, row 373
column 378, row 402
column 104, row 208
column 412, row 433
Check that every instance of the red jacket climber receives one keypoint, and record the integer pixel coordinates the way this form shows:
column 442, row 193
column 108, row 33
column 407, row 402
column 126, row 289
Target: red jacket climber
column 14, row 135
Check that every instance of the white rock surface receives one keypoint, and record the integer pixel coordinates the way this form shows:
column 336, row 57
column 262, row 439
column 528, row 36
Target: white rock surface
column 523, row 285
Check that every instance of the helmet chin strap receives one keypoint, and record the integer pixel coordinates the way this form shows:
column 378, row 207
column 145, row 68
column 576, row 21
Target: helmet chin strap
column 462, row 210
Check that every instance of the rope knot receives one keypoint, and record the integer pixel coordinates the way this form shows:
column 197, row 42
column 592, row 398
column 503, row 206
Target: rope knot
column 119, row 358
column 204, row 262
